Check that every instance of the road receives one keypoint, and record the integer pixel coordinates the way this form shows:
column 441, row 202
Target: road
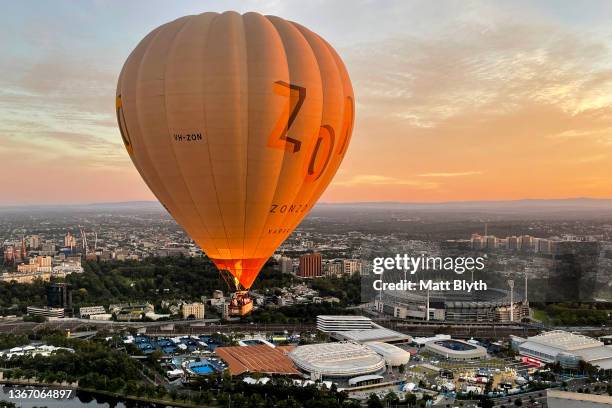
column 172, row 327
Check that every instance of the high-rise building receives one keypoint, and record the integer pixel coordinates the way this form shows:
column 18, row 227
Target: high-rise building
column 310, row 265
column 526, row 243
column 542, row 245
column 286, row 264
column 59, row 295
column 44, row 261
column 477, row 241
column 69, row 241
column 573, row 276
column 490, row 242
column 513, row 243
column 48, row 248
column 334, row 268
column 34, row 242
column 352, row 266
column 9, row 255
column 24, row 252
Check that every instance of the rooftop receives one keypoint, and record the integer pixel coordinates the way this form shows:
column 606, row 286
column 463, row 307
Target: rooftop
column 368, row 335
column 343, row 358
column 342, row 317
column 565, row 341
column 260, row 358
column 576, row 396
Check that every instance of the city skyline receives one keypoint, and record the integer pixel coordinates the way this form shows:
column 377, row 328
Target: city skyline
column 432, row 83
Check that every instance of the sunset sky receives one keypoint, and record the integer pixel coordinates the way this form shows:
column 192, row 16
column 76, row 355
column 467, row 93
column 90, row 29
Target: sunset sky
column 456, row 100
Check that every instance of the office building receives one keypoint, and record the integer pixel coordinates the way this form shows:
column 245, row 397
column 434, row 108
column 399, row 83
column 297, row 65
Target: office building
column 286, row 264
column 310, row 266
column 192, row 310
column 59, row 295
column 34, row 242
column 50, row 312
column 573, row 276
column 334, row 268
column 352, row 266
column 331, row 323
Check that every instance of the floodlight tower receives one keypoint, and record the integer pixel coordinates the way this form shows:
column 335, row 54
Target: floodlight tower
column 427, row 308
column 526, row 301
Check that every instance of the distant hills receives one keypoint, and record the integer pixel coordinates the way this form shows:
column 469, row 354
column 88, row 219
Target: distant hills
column 507, row 206
column 114, row 206
column 526, row 204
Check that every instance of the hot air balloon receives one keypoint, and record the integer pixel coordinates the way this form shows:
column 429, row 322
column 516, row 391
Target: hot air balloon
column 237, row 123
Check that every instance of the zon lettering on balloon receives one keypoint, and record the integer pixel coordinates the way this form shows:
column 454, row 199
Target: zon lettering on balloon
column 325, row 139
column 280, row 230
column 288, row 208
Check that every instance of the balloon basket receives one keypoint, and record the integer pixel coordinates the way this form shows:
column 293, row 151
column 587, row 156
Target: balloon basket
column 241, row 303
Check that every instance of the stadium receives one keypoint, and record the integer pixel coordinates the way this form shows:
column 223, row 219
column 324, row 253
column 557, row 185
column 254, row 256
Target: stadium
column 342, row 360
column 565, row 348
column 455, row 349
column 490, row 305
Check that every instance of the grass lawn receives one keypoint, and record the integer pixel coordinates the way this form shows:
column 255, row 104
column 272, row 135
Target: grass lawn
column 541, row 316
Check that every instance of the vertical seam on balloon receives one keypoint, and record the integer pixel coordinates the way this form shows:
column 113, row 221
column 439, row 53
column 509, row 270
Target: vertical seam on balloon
column 280, row 171
column 138, row 122
column 212, row 173
column 171, row 48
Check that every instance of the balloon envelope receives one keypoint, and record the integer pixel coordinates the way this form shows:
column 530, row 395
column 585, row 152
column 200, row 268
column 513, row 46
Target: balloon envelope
column 237, row 123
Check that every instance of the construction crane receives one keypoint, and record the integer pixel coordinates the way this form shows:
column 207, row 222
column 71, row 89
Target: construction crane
column 83, row 239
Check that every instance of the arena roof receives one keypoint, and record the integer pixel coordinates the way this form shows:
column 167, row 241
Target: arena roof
column 565, row 341
column 595, row 353
column 576, row 396
column 368, row 335
column 549, row 345
column 258, row 359
column 343, row 359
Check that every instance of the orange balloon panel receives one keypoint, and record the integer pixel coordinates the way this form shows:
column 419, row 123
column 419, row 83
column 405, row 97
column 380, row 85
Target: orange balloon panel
column 237, row 123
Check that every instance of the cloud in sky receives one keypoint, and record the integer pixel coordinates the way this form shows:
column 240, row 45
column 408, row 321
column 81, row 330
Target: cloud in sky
column 378, row 180
column 455, row 100
column 456, row 174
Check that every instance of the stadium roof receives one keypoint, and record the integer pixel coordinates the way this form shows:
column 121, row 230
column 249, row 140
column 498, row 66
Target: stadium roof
column 565, row 341
column 596, row 353
column 368, row 335
column 556, row 342
column 341, row 359
column 576, row 396
column 258, row 359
